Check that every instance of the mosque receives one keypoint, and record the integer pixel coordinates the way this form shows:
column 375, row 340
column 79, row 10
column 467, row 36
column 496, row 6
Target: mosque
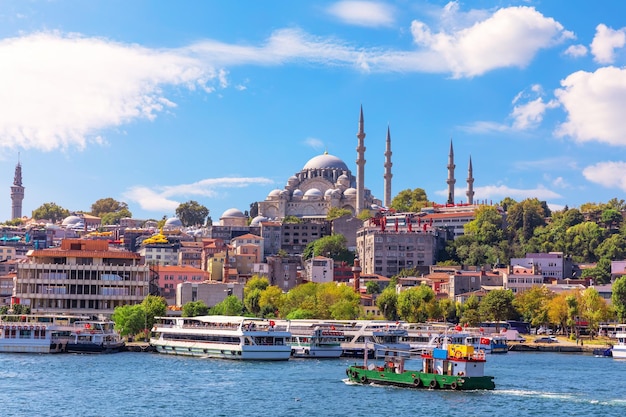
column 325, row 182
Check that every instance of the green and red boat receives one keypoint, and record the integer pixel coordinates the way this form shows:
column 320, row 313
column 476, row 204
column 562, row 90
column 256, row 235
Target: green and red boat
column 454, row 367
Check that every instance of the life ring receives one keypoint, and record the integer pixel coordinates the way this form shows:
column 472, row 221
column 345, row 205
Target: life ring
column 363, row 379
column 293, row 352
column 454, row 385
column 354, row 374
column 306, row 351
column 458, row 354
column 417, row 382
column 433, row 383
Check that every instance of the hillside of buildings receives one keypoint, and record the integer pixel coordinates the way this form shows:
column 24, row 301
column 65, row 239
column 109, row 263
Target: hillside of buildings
column 416, row 261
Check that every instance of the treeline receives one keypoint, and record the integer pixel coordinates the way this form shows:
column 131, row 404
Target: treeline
column 594, row 233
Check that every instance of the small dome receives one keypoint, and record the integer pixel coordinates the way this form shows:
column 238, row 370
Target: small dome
column 293, row 181
column 297, row 193
column 71, row 220
column 232, row 212
column 350, row 191
column 257, row 220
column 274, row 193
column 313, row 194
column 328, row 192
column 173, row 222
column 325, row 161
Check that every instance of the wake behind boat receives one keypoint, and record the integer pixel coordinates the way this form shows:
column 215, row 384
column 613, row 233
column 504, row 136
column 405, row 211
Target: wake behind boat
column 225, row 337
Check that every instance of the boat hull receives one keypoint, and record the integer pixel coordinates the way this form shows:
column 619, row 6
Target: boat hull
column 417, row 379
column 205, row 350
column 94, row 348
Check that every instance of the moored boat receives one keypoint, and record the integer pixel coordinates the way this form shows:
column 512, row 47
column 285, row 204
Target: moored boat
column 224, row 337
column 454, row 367
column 618, row 351
column 35, row 333
column 315, row 341
column 94, row 336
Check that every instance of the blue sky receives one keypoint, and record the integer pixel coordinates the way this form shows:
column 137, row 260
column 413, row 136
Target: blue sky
column 156, row 103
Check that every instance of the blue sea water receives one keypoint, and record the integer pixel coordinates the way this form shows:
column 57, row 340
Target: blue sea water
column 150, row 384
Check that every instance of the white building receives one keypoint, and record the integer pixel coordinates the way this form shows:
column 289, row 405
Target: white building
column 319, row 269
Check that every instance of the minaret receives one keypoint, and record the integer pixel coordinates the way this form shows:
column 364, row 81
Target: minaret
column 470, row 183
column 17, row 192
column 360, row 167
column 388, row 173
column 356, row 276
column 451, row 181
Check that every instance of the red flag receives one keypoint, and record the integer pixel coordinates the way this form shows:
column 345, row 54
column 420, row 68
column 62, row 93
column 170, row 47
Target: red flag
column 396, row 224
column 484, row 341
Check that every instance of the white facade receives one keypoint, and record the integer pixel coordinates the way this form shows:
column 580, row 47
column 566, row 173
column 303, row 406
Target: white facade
column 320, row 269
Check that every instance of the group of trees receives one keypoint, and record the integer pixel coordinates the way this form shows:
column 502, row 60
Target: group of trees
column 112, row 211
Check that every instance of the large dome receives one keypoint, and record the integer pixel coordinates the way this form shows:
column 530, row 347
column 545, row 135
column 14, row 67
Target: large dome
column 232, row 212
column 325, row 161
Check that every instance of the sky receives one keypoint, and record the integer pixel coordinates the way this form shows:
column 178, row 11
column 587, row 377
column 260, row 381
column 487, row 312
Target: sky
column 157, row 103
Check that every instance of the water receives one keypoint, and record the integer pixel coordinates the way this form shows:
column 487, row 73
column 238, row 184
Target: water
column 150, row 384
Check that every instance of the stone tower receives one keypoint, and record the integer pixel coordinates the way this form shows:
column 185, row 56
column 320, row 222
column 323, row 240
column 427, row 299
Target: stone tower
column 360, row 167
column 470, row 183
column 17, row 193
column 388, row 173
column 451, row 181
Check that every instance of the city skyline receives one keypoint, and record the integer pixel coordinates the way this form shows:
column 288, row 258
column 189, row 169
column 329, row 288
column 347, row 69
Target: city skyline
column 156, row 103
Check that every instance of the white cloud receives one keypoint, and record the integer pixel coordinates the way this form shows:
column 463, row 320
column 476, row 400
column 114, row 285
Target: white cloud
column 546, row 164
column 509, row 38
column 530, row 114
column 605, row 42
column 163, row 198
column 314, row 143
column 594, row 102
column 485, row 127
column 363, row 13
column 607, row 174
column 61, row 91
column 576, row 51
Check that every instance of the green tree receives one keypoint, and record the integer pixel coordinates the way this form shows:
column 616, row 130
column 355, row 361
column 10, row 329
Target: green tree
column 154, row 306
column 413, row 303
column 114, row 218
column 271, row 301
column 613, row 247
column 601, row 273
column 129, row 319
column 230, row 306
column 192, row 213
column 524, row 217
column 333, row 246
column 611, row 218
column 252, row 294
column 292, row 219
column 195, row 308
column 447, row 308
column 107, row 205
column 497, row 305
column 410, row 200
column 618, row 298
column 50, row 211
column 337, row 212
column 582, row 241
column 387, row 303
column 486, row 228
column 532, row 304
column 593, row 309
column 372, row 287
column 470, row 312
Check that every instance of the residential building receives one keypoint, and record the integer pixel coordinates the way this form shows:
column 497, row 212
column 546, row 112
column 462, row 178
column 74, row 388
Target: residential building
column 519, row 279
column 387, row 245
column 550, row 265
column 169, row 276
column 462, row 282
column 190, row 254
column 81, row 277
column 296, row 236
column 212, row 293
column 285, row 271
column 319, row 269
column 249, row 244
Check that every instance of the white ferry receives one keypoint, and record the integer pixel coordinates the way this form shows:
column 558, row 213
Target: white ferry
column 31, row 333
column 618, row 351
column 375, row 333
column 314, row 340
column 89, row 336
column 492, row 343
column 226, row 337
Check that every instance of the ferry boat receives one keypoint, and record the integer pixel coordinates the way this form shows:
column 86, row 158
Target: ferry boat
column 314, row 340
column 33, row 333
column 618, row 351
column 489, row 343
column 374, row 333
column 225, row 337
column 90, row 336
column 453, row 367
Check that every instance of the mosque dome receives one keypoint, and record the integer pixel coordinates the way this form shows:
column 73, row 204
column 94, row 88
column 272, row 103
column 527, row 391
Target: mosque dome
column 232, row 212
column 325, row 161
column 274, row 193
column 293, row 181
column 72, row 220
column 257, row 220
column 173, row 222
column 350, row 191
column 313, row 194
column 297, row 193
column 328, row 192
